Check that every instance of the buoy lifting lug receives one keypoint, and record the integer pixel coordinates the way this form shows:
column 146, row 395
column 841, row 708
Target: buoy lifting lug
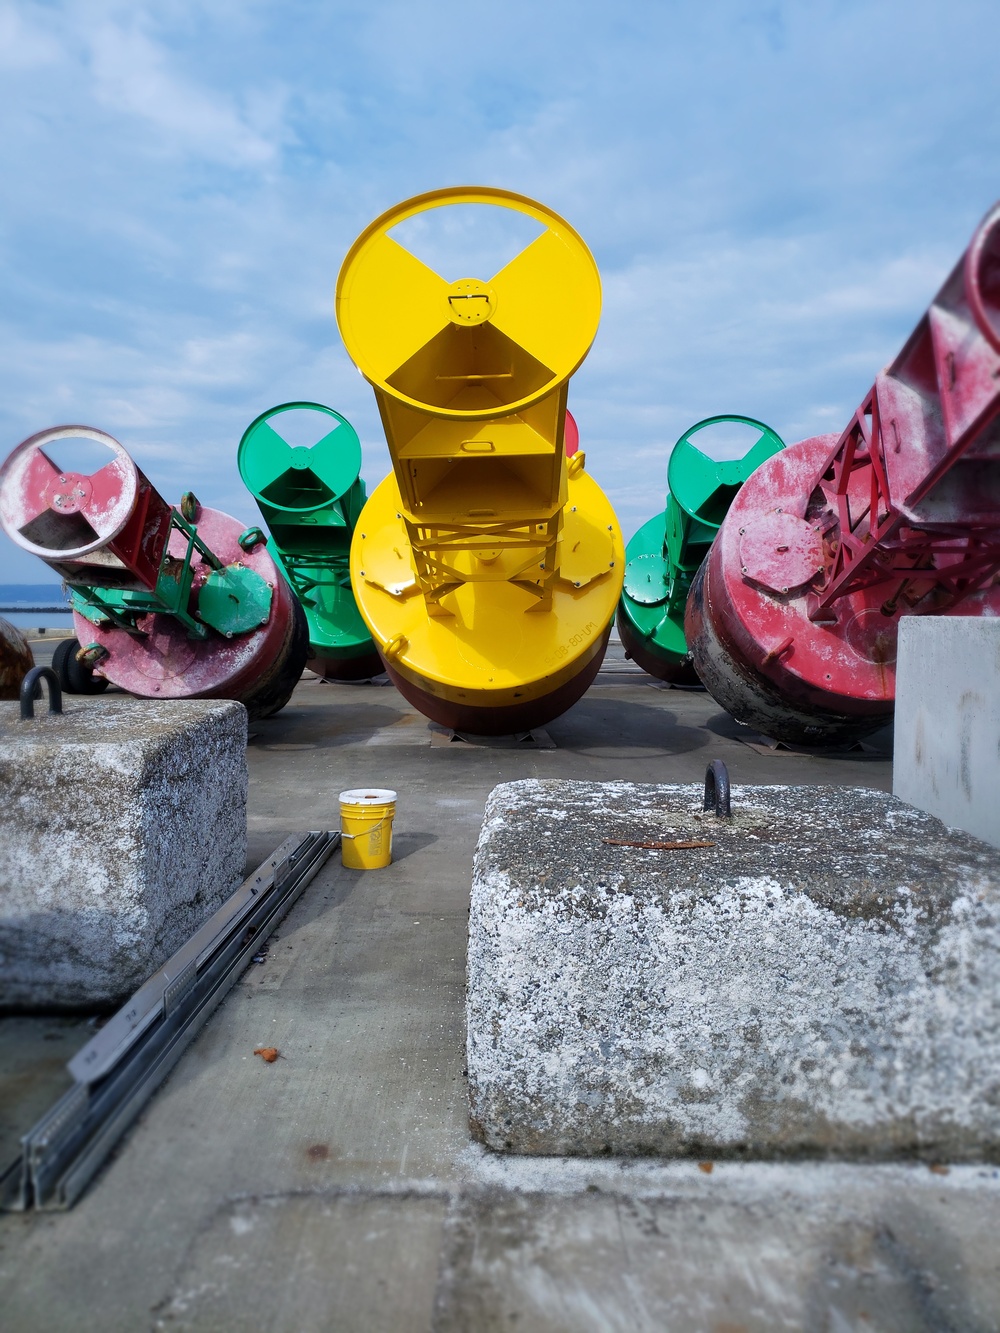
column 717, row 793
column 32, row 682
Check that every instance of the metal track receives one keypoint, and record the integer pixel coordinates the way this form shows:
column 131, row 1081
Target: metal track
column 118, row 1071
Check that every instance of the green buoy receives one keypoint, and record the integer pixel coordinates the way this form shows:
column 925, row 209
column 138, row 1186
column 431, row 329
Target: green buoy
column 665, row 554
column 311, row 497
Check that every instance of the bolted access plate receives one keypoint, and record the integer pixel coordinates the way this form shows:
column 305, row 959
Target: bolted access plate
column 646, row 580
column 781, row 552
column 234, row 600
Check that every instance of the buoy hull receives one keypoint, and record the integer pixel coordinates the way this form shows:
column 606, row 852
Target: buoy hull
column 358, row 666
column 484, row 720
column 258, row 668
column 651, row 635
column 751, row 697
column 16, row 659
column 489, row 659
column 673, row 667
column 754, row 646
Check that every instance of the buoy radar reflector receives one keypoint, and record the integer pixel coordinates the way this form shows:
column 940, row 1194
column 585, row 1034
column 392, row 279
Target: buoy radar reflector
column 488, row 565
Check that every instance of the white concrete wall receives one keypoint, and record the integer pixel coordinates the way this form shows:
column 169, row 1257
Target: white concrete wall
column 947, row 748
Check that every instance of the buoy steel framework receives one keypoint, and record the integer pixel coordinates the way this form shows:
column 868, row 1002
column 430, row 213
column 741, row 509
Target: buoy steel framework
column 665, row 554
column 488, row 566
column 793, row 618
column 310, row 497
column 168, row 602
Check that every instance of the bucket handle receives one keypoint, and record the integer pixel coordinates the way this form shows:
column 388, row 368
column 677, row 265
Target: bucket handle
column 368, row 831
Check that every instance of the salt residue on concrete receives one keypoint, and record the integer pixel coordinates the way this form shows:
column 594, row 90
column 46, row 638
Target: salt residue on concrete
column 825, row 979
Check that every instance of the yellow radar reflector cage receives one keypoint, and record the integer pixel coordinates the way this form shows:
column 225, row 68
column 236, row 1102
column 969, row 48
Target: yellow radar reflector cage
column 486, row 569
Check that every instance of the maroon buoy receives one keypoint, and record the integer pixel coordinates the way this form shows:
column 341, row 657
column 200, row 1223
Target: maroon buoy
column 169, row 602
column 260, row 669
column 510, row 718
column 16, row 659
column 794, row 618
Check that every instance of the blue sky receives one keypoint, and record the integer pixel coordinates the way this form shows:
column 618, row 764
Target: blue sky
column 773, row 193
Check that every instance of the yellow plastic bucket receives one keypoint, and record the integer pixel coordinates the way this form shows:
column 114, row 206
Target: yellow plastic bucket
column 366, row 827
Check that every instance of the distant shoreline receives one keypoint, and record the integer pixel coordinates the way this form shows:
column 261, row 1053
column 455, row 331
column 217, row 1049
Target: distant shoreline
column 32, row 592
column 35, row 605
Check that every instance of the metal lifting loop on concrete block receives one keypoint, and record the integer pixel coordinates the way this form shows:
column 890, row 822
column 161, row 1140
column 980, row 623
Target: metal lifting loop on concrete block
column 666, row 553
column 31, row 682
column 793, row 618
column 310, row 496
column 497, row 564
column 717, row 798
column 178, row 608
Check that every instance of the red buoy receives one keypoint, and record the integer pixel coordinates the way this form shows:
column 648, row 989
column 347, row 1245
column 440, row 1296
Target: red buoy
column 169, row 602
column 793, row 618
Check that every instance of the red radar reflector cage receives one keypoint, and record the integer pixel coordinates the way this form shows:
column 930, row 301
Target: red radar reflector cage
column 793, row 618
column 110, row 525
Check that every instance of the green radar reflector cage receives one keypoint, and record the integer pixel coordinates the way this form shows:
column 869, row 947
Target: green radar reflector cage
column 311, row 496
column 666, row 553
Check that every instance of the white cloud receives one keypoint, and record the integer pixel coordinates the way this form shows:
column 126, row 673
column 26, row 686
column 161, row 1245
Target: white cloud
column 773, row 194
column 23, row 45
column 132, row 76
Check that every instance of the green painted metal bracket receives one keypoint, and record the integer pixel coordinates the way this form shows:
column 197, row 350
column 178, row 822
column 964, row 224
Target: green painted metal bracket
column 235, row 600
column 232, row 600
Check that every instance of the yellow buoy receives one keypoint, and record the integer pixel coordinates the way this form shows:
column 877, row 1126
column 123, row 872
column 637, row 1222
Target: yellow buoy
column 488, row 566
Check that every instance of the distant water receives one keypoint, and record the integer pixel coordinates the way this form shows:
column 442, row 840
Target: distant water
column 35, row 594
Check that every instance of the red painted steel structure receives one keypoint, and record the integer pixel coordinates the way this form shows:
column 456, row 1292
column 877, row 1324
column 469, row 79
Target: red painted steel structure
column 793, row 620
column 109, row 526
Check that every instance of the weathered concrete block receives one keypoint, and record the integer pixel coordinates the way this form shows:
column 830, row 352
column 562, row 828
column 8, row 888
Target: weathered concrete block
column 123, row 827
column 824, row 979
column 947, row 738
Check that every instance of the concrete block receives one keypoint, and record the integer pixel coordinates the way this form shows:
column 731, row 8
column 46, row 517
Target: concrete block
column 947, row 736
column 824, row 979
column 124, row 826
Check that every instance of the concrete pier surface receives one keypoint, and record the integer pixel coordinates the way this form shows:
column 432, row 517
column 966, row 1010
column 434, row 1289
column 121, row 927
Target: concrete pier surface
column 339, row 1188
